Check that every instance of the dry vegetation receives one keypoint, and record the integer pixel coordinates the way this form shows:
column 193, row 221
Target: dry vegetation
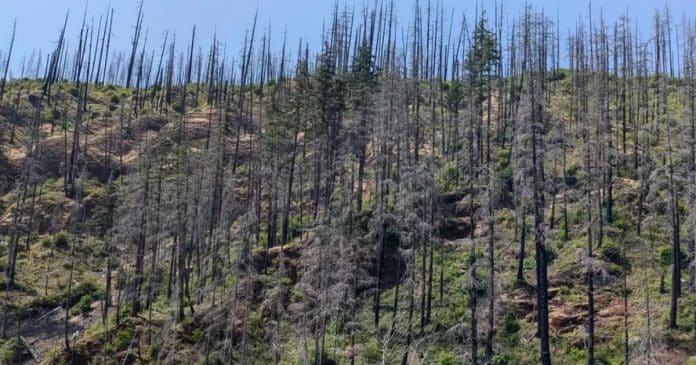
column 454, row 196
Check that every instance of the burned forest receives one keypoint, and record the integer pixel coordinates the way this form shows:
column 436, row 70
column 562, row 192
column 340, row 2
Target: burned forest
column 485, row 187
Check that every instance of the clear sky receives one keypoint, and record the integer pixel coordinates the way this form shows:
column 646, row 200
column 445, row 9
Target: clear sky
column 38, row 21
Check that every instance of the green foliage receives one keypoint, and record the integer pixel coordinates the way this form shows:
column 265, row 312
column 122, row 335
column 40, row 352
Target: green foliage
column 84, row 306
column 502, row 359
column 509, row 331
column 627, row 170
column 454, row 92
column 577, row 216
column 574, row 353
column 372, row 353
column 611, row 252
column 558, row 75
column 122, row 338
column 446, row 177
column 331, row 89
column 505, row 188
column 446, row 357
column 572, row 175
column 363, row 77
column 687, row 316
column 604, row 357
column 52, row 115
column 153, row 352
column 622, row 221
column 295, row 225
column 100, row 201
column 313, row 104
column 61, row 240
column 14, row 351
column 81, row 290
column 664, row 256
column 483, row 54
column 190, row 331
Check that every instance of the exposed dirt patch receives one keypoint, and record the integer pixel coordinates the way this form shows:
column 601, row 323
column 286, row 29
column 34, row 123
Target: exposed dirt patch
column 565, row 316
column 47, row 330
column 50, row 215
column 103, row 146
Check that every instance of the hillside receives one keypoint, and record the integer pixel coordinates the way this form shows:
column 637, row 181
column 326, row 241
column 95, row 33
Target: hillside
column 355, row 207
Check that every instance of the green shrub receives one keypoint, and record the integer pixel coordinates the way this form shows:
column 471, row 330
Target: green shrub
column 372, row 353
column 620, row 221
column 123, row 338
column 509, row 331
column 193, row 334
column 664, row 256
column 611, row 252
column 558, row 75
column 446, row 357
column 15, row 351
column 86, row 288
column 153, row 352
column 572, row 175
column 446, row 177
column 52, row 115
column 505, row 188
column 502, row 359
column 503, row 157
column 84, row 306
column 197, row 335
column 577, row 216
column 61, row 239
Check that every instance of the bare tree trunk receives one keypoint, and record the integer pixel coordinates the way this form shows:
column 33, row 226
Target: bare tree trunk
column 7, row 63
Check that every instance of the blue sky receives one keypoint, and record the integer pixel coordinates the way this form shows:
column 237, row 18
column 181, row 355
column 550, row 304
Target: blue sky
column 38, row 21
